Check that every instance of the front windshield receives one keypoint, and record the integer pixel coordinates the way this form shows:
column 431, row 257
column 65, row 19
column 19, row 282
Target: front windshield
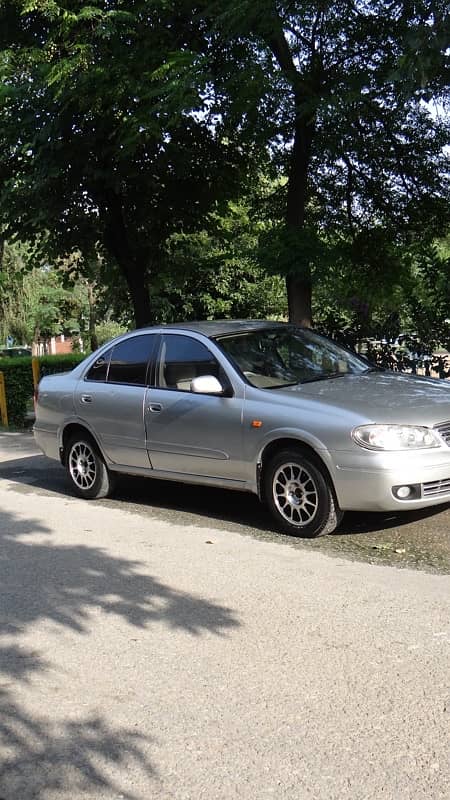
column 271, row 358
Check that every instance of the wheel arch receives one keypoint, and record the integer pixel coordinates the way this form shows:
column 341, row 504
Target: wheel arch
column 70, row 430
column 285, row 442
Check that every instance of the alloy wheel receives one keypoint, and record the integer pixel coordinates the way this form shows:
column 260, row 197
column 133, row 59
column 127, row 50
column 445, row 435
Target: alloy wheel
column 295, row 494
column 82, row 465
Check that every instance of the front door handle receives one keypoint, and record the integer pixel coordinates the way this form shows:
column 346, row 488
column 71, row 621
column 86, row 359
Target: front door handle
column 155, row 407
column 86, row 398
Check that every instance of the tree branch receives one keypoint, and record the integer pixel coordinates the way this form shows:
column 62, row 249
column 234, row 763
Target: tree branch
column 279, row 46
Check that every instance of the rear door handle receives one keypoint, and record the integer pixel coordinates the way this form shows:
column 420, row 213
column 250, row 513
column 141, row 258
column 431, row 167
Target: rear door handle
column 86, row 398
column 155, row 407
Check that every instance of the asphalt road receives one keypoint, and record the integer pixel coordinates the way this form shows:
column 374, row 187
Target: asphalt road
column 168, row 644
column 420, row 540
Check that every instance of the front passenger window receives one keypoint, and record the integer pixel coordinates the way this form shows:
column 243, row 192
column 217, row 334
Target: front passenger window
column 182, row 359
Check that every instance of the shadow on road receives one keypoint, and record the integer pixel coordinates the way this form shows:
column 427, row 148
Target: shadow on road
column 41, row 580
column 179, row 501
column 65, row 582
column 366, row 522
column 71, row 757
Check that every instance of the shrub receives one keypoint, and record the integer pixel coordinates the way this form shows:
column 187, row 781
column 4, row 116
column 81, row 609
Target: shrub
column 51, row 365
column 18, row 386
column 19, row 380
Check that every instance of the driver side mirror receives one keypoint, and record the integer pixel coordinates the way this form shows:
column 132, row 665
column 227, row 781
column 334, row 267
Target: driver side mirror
column 206, row 384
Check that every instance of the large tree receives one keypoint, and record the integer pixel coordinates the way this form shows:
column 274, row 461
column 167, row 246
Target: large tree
column 348, row 95
column 98, row 153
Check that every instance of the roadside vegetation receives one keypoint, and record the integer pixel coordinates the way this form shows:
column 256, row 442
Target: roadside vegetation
column 164, row 161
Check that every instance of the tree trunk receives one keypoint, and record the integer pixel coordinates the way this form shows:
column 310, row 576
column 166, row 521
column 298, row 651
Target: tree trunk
column 92, row 317
column 131, row 266
column 299, row 292
column 299, row 287
column 137, row 286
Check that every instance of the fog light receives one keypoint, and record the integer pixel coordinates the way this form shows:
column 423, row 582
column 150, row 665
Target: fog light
column 411, row 492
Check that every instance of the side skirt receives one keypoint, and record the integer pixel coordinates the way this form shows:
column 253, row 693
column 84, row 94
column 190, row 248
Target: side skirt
column 182, row 477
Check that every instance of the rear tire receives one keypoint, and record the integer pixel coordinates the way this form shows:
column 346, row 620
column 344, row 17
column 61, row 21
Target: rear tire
column 299, row 495
column 87, row 472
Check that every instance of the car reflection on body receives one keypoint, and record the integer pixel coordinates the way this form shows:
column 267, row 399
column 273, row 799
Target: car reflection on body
column 262, row 407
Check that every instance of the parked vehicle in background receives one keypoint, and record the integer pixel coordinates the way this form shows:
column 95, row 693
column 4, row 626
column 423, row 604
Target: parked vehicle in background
column 407, row 354
column 13, row 352
column 263, row 407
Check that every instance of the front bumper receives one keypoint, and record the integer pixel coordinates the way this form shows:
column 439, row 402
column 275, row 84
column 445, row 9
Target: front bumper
column 364, row 481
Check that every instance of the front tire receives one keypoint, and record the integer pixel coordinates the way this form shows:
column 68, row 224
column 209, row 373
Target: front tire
column 86, row 470
column 299, row 495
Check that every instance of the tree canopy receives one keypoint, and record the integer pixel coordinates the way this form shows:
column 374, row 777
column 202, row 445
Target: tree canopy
column 123, row 124
column 97, row 154
column 345, row 100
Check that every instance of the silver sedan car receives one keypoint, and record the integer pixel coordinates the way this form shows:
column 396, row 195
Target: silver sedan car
column 263, row 407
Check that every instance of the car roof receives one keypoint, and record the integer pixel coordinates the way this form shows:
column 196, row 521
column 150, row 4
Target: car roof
column 223, row 327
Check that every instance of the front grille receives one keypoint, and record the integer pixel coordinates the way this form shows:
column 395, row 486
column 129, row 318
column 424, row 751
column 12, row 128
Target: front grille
column 444, row 430
column 436, row 488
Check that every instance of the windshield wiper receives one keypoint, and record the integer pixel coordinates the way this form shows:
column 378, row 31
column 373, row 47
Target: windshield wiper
column 282, row 385
column 326, row 375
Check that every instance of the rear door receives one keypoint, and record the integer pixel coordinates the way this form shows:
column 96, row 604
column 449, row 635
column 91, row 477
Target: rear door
column 110, row 398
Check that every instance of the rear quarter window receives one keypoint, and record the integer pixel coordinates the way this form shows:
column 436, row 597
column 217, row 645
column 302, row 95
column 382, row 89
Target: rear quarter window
column 99, row 369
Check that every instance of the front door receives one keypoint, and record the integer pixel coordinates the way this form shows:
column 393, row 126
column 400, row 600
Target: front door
column 190, row 433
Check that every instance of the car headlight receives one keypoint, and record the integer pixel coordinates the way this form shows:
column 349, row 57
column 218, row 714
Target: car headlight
column 395, row 437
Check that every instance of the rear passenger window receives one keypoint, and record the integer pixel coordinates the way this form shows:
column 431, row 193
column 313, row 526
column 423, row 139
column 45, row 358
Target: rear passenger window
column 99, row 369
column 129, row 360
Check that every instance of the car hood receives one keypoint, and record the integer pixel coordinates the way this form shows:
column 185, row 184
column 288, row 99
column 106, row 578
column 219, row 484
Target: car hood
column 387, row 397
